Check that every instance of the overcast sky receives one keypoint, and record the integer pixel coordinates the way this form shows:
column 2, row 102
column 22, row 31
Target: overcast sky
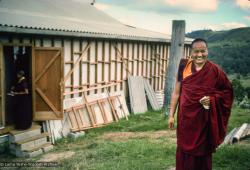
column 157, row 15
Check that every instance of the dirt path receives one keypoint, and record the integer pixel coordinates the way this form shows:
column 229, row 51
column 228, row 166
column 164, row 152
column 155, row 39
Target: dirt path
column 122, row 136
column 115, row 137
column 53, row 157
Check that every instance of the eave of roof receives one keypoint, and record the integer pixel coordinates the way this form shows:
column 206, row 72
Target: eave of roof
column 46, row 17
column 22, row 30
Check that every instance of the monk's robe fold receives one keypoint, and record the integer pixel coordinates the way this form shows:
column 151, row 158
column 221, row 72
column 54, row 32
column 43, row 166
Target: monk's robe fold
column 200, row 131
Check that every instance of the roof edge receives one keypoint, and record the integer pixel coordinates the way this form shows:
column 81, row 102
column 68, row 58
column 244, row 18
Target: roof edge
column 12, row 29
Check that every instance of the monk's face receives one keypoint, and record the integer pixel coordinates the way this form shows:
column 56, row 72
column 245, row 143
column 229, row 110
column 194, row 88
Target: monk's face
column 199, row 52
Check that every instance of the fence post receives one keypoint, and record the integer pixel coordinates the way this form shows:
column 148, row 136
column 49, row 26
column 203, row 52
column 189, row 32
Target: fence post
column 176, row 53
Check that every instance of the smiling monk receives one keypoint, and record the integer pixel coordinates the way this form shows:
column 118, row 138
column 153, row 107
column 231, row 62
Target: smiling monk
column 204, row 97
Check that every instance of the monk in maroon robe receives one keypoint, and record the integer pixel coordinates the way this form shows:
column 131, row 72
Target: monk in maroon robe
column 204, row 96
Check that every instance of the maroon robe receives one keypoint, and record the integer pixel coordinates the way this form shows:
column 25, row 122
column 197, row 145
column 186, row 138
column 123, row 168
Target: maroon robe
column 200, row 131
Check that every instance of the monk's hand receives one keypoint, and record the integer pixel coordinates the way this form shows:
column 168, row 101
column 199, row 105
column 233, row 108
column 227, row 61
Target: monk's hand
column 205, row 101
column 171, row 122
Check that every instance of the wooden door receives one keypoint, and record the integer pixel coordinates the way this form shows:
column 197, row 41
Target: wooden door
column 47, row 83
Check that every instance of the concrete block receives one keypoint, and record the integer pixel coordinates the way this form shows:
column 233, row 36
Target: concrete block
column 12, row 146
column 17, row 153
column 33, row 153
column 32, row 144
column 47, row 148
column 24, row 135
column 75, row 135
column 4, row 143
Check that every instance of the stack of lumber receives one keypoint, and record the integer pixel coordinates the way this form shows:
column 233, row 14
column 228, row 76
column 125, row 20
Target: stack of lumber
column 95, row 110
column 137, row 95
column 137, row 88
column 160, row 97
column 151, row 95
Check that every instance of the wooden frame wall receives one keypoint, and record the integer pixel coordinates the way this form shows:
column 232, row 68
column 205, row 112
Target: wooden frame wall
column 107, row 61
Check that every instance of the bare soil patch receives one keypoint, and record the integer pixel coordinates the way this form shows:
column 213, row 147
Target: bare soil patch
column 122, row 136
column 52, row 157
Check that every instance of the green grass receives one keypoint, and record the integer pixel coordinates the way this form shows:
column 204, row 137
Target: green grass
column 149, row 121
column 245, row 82
column 238, row 117
column 130, row 154
column 233, row 157
column 94, row 151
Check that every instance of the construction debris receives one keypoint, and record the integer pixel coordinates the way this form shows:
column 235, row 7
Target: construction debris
column 137, row 96
column 96, row 110
column 237, row 134
column 160, row 97
column 75, row 135
column 151, row 95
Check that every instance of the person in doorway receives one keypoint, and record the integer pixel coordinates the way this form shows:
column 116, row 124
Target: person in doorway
column 204, row 97
column 20, row 92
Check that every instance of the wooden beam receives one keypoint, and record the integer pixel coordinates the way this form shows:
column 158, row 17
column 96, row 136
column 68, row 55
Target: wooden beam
column 74, row 113
column 116, row 62
column 89, row 111
column 89, row 89
column 77, row 62
column 120, row 55
column 80, row 65
column 96, row 61
column 176, row 53
column 115, row 115
column 102, row 111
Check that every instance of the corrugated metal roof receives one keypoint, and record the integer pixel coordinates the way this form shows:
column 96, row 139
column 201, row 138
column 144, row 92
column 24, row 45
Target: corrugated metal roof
column 65, row 17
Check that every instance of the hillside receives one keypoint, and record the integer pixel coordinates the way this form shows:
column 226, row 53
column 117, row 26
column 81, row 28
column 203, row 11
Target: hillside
column 229, row 49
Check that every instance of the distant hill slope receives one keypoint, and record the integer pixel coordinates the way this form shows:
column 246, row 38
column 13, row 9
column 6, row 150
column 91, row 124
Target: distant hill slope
column 229, row 49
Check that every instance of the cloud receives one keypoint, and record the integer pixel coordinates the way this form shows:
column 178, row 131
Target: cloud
column 232, row 25
column 102, row 6
column 166, row 6
column 244, row 4
column 194, row 5
column 247, row 18
column 225, row 26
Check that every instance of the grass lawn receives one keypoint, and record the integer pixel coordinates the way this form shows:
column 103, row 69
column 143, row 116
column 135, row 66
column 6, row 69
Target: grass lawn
column 245, row 82
column 142, row 143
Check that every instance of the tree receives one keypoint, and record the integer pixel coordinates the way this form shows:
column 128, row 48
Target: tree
column 239, row 91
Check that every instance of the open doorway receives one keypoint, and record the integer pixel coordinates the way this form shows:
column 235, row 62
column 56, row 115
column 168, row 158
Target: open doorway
column 16, row 58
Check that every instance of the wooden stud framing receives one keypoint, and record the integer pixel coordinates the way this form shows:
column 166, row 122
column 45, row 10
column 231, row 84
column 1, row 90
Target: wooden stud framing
column 133, row 57
column 88, row 66
column 159, row 66
column 138, row 58
column 143, row 60
column 116, row 63
column 122, row 59
column 80, row 66
column 122, row 65
column 96, row 60
column 103, row 64
column 110, row 58
column 146, row 74
column 71, row 65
